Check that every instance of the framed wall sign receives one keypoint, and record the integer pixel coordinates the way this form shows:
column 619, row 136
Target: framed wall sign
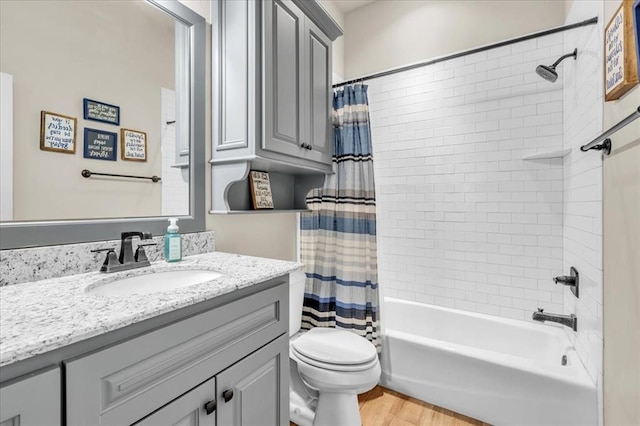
column 99, row 111
column 636, row 26
column 100, row 145
column 133, row 145
column 260, row 190
column 57, row 132
column 620, row 60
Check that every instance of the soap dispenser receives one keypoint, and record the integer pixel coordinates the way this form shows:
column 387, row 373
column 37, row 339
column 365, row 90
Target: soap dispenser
column 172, row 242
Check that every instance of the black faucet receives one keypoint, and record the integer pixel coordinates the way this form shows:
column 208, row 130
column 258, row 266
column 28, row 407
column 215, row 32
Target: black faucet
column 568, row 320
column 126, row 249
column 127, row 258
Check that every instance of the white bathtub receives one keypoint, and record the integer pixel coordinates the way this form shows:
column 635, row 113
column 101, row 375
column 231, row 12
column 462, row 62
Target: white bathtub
column 500, row 371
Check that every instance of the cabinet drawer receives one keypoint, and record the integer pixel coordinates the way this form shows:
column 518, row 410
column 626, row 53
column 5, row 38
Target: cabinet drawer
column 124, row 383
column 31, row 401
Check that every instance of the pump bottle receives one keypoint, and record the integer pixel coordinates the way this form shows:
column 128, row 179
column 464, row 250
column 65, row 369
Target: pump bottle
column 172, row 242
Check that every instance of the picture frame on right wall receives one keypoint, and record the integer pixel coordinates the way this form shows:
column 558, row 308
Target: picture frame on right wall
column 620, row 55
column 636, row 29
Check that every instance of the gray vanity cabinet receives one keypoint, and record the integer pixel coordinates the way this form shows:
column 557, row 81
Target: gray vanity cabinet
column 271, row 79
column 32, row 401
column 188, row 410
column 168, row 375
column 248, row 394
column 249, row 391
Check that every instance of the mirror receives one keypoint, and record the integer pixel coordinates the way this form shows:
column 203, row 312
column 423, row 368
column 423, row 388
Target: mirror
column 128, row 79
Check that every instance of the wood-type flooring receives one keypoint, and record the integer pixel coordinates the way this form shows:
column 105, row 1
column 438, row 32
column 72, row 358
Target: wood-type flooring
column 384, row 407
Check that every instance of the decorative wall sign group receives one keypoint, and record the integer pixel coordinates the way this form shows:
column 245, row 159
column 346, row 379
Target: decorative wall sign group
column 620, row 60
column 100, row 145
column 99, row 111
column 636, row 26
column 134, row 145
column 58, row 134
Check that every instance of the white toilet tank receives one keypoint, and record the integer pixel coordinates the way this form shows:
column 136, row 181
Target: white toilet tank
column 297, row 281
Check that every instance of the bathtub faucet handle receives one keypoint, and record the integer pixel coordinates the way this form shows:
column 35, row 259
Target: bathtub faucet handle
column 563, row 279
column 571, row 281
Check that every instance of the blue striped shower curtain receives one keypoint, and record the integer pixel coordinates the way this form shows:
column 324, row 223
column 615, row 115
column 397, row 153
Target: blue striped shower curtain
column 338, row 236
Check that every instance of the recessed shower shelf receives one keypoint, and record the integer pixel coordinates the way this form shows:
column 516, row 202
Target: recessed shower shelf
column 547, row 154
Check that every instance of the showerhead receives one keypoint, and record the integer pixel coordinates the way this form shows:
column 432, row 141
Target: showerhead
column 548, row 72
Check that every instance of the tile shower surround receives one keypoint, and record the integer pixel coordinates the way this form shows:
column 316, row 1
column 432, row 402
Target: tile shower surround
column 582, row 224
column 463, row 220
column 39, row 263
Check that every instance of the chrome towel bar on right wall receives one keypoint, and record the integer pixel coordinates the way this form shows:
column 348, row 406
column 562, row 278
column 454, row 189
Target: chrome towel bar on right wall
column 602, row 142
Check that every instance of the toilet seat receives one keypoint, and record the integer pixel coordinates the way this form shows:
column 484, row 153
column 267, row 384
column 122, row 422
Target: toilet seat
column 336, row 350
column 329, row 366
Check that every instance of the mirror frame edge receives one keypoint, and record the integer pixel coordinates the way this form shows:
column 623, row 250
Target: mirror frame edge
column 44, row 233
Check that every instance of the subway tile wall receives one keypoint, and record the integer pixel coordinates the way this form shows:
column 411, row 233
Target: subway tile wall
column 463, row 220
column 582, row 241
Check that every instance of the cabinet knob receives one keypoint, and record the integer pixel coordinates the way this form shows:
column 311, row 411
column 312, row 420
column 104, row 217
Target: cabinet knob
column 227, row 395
column 210, row 407
column 306, row 146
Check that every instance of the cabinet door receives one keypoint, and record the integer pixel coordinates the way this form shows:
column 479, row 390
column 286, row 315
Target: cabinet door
column 34, row 400
column 235, row 77
column 283, row 85
column 255, row 391
column 188, row 410
column 318, row 90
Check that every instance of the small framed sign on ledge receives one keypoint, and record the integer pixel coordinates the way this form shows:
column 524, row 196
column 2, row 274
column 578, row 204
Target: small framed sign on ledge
column 620, row 60
column 260, row 190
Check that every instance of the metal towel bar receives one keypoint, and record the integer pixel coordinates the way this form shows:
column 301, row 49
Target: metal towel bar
column 602, row 142
column 88, row 173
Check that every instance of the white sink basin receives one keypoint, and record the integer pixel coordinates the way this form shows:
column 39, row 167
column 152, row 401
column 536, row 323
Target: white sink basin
column 154, row 282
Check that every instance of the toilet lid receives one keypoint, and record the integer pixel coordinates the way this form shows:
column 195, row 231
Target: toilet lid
column 332, row 346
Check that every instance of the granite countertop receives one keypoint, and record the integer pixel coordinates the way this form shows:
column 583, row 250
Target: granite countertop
column 41, row 316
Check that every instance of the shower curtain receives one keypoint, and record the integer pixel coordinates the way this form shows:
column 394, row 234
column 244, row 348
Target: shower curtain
column 338, row 236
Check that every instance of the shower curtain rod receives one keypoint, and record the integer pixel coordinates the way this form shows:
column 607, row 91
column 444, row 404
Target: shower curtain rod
column 470, row 51
column 605, row 146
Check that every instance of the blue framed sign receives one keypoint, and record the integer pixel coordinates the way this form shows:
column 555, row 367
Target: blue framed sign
column 99, row 111
column 100, row 145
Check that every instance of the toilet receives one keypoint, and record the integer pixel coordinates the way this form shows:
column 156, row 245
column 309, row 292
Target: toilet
column 328, row 367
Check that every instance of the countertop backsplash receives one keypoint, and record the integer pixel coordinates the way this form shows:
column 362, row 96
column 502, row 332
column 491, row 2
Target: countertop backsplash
column 39, row 263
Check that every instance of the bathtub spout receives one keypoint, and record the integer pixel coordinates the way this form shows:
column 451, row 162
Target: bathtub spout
column 568, row 320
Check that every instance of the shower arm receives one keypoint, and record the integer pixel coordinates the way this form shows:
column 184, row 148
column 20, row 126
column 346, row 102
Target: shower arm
column 563, row 57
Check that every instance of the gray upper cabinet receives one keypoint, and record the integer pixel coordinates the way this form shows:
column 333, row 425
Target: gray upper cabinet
column 271, row 97
column 32, row 401
column 284, row 106
column 317, row 91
